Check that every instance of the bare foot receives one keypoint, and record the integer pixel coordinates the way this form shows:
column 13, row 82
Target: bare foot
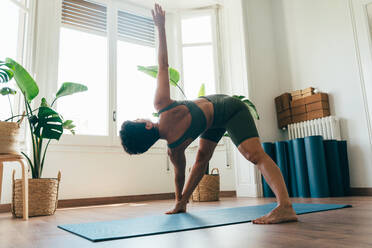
column 179, row 208
column 278, row 215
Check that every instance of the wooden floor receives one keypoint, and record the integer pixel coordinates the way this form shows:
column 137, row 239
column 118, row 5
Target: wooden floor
column 350, row 227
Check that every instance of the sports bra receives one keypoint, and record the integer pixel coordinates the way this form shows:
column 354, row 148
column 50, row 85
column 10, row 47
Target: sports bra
column 198, row 121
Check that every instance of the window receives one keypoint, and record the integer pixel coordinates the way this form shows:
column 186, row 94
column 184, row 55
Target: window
column 12, row 17
column 198, row 52
column 83, row 58
column 135, row 46
column 101, row 47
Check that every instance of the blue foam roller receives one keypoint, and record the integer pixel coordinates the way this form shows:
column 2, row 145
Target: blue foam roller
column 344, row 164
column 293, row 192
column 299, row 157
column 336, row 187
column 316, row 166
column 281, row 155
column 270, row 150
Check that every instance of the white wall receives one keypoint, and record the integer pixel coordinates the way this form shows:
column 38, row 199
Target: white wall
column 316, row 47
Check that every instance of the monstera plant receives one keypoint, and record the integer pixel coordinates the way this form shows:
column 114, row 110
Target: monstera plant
column 45, row 123
column 6, row 74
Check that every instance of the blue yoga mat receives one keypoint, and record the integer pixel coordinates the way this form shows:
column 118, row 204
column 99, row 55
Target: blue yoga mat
column 269, row 148
column 293, row 192
column 344, row 163
column 159, row 224
column 336, row 187
column 281, row 153
column 300, row 163
column 316, row 166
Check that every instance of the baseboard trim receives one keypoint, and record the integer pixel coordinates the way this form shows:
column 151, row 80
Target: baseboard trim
column 4, row 208
column 360, row 192
column 85, row 202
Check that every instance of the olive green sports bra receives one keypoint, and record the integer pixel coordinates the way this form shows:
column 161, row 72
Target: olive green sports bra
column 198, row 121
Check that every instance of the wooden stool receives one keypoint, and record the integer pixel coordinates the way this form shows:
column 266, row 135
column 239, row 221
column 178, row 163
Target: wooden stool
column 16, row 158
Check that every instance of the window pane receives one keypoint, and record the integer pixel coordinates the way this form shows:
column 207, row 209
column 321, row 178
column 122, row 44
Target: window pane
column 135, row 90
column 9, row 14
column 83, row 59
column 196, row 30
column 198, row 68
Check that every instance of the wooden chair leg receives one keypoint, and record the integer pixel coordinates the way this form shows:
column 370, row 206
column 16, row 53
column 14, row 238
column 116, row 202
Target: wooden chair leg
column 1, row 178
column 24, row 190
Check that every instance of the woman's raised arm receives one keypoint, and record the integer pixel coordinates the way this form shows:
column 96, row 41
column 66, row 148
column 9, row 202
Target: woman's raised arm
column 162, row 94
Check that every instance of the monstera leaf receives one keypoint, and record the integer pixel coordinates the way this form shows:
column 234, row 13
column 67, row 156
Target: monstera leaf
column 69, row 88
column 47, row 124
column 174, row 75
column 69, row 126
column 6, row 74
column 7, row 91
column 25, row 82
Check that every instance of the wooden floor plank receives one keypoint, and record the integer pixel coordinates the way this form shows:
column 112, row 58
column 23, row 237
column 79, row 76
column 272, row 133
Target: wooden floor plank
column 339, row 228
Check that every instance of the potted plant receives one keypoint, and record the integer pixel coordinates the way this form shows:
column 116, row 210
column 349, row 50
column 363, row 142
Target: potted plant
column 44, row 125
column 9, row 129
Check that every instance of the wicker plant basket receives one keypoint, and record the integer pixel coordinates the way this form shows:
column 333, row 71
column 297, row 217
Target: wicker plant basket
column 208, row 188
column 42, row 196
column 9, row 138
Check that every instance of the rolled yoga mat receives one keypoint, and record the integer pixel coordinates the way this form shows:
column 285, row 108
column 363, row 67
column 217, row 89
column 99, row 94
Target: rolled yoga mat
column 269, row 148
column 160, row 224
column 299, row 157
column 336, row 187
column 344, row 164
column 281, row 154
column 293, row 192
column 316, row 166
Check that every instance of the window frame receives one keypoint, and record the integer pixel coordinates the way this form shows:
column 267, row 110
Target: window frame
column 112, row 139
column 215, row 42
column 215, row 27
column 24, row 41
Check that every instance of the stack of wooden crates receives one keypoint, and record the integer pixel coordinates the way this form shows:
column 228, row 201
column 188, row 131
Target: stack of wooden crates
column 301, row 105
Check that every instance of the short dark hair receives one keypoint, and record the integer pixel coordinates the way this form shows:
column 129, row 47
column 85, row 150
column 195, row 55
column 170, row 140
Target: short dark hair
column 135, row 138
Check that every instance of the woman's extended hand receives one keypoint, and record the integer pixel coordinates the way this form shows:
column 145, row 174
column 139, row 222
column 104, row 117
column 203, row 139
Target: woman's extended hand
column 158, row 14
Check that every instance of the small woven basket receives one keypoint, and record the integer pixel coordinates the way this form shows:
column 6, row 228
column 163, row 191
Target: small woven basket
column 9, row 138
column 42, row 196
column 208, row 188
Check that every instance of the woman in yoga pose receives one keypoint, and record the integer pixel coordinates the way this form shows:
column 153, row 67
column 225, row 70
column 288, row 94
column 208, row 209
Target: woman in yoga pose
column 209, row 117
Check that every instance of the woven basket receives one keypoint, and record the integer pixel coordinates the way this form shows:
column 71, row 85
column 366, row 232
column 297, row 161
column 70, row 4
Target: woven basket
column 42, row 196
column 208, row 188
column 9, row 138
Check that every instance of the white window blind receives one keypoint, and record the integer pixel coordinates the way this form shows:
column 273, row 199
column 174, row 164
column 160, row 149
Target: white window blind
column 136, row 29
column 85, row 15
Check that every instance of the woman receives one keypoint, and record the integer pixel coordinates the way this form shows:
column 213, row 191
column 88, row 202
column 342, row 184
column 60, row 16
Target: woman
column 181, row 122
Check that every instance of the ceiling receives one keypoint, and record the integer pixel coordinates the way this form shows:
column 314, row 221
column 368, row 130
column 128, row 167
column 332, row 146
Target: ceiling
column 176, row 4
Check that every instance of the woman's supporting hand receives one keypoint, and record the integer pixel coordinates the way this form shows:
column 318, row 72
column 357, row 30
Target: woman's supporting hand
column 158, row 14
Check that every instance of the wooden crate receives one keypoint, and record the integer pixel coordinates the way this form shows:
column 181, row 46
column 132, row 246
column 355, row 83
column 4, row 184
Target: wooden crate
column 317, row 106
column 316, row 98
column 318, row 114
column 299, row 118
column 299, row 110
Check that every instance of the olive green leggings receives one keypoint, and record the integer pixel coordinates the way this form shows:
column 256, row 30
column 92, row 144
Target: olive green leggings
column 233, row 116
